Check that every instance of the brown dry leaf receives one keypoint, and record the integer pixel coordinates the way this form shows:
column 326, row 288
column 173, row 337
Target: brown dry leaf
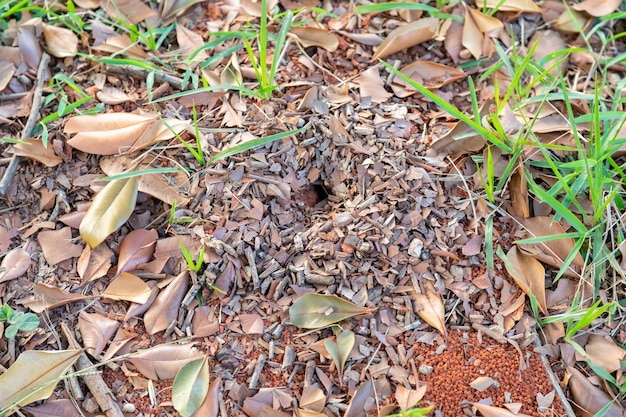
column 119, row 44
column 96, row 331
column 113, row 95
column 371, row 85
column 164, row 310
column 312, row 36
column 15, row 264
column 119, row 343
column 433, row 311
column 210, row 405
column 204, row 322
column 137, row 309
column 429, row 74
column 476, row 26
column 553, row 252
column 482, row 383
column 109, row 210
column 518, row 191
column 549, row 42
column 528, row 6
column 128, row 287
column 54, row 408
column 529, row 274
column 313, row 398
column 605, row 353
column 589, row 399
column 163, row 361
column 34, row 376
column 408, row 398
column 597, row 8
column 366, row 391
column 28, row 42
column 57, row 245
column 136, row 249
column 253, row 7
column 473, row 246
column 114, row 133
column 306, row 413
column 165, row 187
column 61, row 42
column 132, row 11
column 189, row 42
column 7, row 70
column 489, row 411
column 34, row 149
column 571, row 21
column 47, row 297
column 406, row 36
column 94, row 263
column 252, row 323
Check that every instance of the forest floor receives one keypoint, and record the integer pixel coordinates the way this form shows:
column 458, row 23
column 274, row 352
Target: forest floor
column 368, row 192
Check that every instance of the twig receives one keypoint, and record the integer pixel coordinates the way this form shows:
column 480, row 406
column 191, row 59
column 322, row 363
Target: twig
column 98, row 388
column 30, row 123
column 159, row 76
column 12, row 96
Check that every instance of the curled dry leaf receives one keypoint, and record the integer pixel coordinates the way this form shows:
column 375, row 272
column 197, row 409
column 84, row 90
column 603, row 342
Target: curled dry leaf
column 433, row 311
column 113, row 133
column 128, row 287
column 164, row 361
column 597, row 8
column 61, row 42
column 408, row 398
column 19, row 385
column 312, row 36
column 314, row 311
column 407, row 36
column 110, row 209
column 529, row 274
column 371, row 85
column 96, row 331
column 191, row 386
column 476, row 26
column 15, row 264
column 34, row 149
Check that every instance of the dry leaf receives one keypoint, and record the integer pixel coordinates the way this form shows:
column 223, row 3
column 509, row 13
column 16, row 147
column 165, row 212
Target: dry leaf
column 113, row 95
column 433, row 311
column 252, row 323
column 340, row 350
column 313, row 398
column 34, row 149
column 15, row 264
column 529, row 274
column 476, row 26
column 128, row 287
column 94, row 263
column 605, row 353
column 136, row 249
column 57, row 245
column 518, row 190
column 406, row 36
column 482, row 383
column 190, row 386
column 429, row 74
column 110, row 209
column 34, row 376
column 189, row 42
column 96, row 331
column 163, row 361
column 314, row 311
column 408, row 398
column 164, row 310
column 48, row 297
column 597, row 8
column 489, row 411
column 588, row 397
column 528, row 6
column 312, row 36
column 371, row 85
column 61, row 42
column 210, row 405
column 132, row 11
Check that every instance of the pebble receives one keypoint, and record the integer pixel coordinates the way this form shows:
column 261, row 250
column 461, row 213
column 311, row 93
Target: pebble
column 415, row 248
column 128, row 408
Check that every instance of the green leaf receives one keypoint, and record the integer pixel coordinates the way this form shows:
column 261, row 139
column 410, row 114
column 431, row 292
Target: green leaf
column 110, row 209
column 191, row 386
column 314, row 311
column 11, row 331
column 33, row 377
column 340, row 350
column 26, row 322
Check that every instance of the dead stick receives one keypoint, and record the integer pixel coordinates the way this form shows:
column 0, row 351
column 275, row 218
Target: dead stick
column 159, row 76
column 98, row 388
column 30, row 122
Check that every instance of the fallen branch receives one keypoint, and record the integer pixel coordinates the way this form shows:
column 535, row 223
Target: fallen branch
column 30, row 122
column 159, row 76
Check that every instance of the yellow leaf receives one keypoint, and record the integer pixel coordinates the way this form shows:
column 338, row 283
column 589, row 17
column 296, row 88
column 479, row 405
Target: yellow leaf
column 33, row 376
column 110, row 209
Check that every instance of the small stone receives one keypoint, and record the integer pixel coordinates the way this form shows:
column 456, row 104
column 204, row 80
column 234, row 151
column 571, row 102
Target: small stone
column 128, row 408
column 415, row 248
column 425, row 369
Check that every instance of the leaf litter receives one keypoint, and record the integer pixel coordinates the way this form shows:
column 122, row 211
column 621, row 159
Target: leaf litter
column 379, row 221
